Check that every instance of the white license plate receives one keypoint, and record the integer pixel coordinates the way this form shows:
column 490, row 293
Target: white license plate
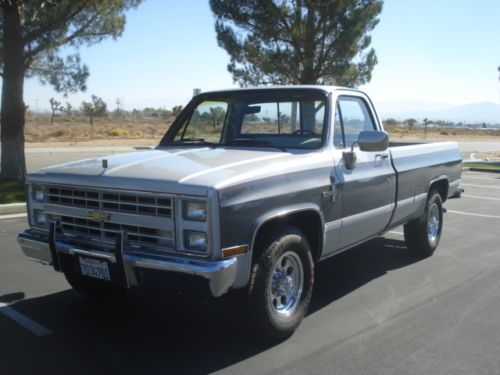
column 94, row 268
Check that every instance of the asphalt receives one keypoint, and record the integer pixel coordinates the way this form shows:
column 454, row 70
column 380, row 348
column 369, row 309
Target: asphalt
column 375, row 310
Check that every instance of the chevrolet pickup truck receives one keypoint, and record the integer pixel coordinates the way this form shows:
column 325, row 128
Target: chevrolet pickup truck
column 247, row 190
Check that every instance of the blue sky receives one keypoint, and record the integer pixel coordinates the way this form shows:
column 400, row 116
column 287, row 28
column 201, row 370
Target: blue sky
column 443, row 51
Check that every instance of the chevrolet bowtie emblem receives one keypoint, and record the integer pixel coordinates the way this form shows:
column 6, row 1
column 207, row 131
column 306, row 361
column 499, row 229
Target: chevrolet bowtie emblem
column 97, row 215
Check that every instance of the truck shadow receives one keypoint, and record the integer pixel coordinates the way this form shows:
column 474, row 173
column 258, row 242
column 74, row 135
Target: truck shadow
column 149, row 332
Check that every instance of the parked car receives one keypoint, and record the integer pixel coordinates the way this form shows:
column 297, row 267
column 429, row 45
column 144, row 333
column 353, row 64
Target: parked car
column 246, row 191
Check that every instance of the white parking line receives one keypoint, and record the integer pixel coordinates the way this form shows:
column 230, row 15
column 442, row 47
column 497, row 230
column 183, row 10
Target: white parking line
column 13, row 216
column 26, row 322
column 481, row 186
column 478, row 197
column 481, row 178
column 471, row 214
column 395, row 232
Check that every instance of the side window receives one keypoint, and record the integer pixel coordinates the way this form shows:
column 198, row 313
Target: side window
column 355, row 117
column 338, row 132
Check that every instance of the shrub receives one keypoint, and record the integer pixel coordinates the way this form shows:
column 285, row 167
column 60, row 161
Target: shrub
column 118, row 132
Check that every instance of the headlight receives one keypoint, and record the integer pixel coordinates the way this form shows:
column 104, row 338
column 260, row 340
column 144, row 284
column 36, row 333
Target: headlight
column 193, row 210
column 194, row 240
column 38, row 194
column 40, row 218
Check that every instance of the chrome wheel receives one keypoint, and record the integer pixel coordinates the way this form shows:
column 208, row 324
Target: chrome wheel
column 433, row 223
column 286, row 284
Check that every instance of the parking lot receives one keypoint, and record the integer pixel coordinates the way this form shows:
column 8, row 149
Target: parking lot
column 375, row 310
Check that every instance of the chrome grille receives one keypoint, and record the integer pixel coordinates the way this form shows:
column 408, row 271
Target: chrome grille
column 131, row 203
column 107, row 232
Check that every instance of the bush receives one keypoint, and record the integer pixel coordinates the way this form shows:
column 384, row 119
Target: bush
column 118, row 132
column 63, row 132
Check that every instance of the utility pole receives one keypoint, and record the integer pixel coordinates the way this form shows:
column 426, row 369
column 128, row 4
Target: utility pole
column 118, row 104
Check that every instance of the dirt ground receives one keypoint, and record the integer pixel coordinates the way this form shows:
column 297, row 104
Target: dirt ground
column 130, row 142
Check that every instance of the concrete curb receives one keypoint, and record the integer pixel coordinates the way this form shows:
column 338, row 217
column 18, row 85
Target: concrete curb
column 12, row 208
column 473, row 169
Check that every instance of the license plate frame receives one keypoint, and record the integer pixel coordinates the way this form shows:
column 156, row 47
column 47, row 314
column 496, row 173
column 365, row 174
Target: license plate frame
column 94, row 268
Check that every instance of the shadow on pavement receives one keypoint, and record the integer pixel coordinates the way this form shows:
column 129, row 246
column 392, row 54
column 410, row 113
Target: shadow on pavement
column 152, row 333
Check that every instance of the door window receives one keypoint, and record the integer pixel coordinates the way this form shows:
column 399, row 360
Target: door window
column 351, row 117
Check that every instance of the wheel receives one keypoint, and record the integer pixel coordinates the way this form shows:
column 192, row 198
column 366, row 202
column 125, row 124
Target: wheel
column 422, row 235
column 281, row 285
column 93, row 288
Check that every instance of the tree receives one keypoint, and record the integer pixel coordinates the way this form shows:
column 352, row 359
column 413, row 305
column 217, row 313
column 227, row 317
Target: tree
column 55, row 106
column 68, row 109
column 32, row 33
column 176, row 110
column 95, row 108
column 297, row 42
column 411, row 122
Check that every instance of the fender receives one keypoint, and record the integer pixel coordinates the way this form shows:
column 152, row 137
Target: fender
column 283, row 212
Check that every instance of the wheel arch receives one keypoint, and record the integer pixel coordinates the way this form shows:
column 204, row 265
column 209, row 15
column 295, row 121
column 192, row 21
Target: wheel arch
column 441, row 184
column 306, row 217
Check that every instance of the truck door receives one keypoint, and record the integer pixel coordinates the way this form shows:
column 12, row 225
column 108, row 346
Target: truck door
column 367, row 191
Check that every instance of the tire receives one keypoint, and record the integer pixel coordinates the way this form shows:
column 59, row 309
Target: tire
column 422, row 235
column 94, row 289
column 281, row 285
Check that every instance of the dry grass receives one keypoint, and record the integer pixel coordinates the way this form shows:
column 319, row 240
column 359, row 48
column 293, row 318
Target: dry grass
column 39, row 129
column 75, row 128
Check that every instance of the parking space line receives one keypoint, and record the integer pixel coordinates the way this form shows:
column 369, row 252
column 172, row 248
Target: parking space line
column 13, row 216
column 396, row 232
column 478, row 197
column 481, row 178
column 472, row 214
column 482, row 186
column 23, row 320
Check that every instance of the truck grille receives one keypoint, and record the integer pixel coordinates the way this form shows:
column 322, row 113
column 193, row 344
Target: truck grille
column 131, row 203
column 107, row 232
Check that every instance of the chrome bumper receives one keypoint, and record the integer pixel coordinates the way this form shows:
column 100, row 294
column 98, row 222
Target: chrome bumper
column 221, row 275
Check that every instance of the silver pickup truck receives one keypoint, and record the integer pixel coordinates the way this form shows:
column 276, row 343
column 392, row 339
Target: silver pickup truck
column 247, row 190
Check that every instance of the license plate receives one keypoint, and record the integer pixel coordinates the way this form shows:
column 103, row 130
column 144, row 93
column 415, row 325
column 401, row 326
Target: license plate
column 94, row 268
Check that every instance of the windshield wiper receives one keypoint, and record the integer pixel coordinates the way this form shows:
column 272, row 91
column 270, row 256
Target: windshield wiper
column 195, row 140
column 253, row 141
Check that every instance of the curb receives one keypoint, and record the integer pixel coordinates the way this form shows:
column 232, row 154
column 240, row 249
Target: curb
column 12, row 208
column 473, row 169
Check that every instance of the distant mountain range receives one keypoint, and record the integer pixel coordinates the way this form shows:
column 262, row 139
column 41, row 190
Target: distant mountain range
column 484, row 112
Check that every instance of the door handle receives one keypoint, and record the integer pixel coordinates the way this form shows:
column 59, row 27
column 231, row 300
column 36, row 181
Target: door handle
column 382, row 156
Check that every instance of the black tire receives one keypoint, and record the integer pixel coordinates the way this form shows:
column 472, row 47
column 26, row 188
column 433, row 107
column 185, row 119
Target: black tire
column 267, row 321
column 422, row 235
column 92, row 288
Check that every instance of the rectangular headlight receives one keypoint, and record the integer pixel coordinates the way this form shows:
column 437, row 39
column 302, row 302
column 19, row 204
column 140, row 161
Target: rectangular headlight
column 38, row 193
column 194, row 240
column 194, row 210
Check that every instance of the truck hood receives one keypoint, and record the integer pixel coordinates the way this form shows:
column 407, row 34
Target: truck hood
column 174, row 170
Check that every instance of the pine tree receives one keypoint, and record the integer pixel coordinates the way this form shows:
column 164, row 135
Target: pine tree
column 299, row 41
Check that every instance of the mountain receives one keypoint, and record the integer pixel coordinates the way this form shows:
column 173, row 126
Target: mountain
column 486, row 112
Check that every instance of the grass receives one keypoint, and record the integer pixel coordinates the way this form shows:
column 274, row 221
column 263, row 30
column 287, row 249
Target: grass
column 11, row 191
column 482, row 165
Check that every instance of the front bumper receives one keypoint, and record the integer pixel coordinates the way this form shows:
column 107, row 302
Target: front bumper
column 131, row 265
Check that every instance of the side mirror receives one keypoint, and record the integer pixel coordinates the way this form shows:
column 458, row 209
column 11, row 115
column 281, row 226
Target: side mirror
column 367, row 141
column 373, row 141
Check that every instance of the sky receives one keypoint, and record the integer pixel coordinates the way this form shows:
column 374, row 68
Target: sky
column 443, row 51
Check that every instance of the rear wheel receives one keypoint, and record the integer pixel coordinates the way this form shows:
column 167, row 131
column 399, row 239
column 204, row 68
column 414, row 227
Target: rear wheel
column 93, row 288
column 281, row 285
column 423, row 234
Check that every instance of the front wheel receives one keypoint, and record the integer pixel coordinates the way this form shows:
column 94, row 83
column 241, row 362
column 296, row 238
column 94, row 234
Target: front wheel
column 281, row 285
column 423, row 234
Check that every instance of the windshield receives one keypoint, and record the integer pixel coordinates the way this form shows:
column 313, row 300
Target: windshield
column 256, row 120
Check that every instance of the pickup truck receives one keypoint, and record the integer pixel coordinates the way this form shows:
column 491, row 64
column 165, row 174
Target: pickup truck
column 247, row 190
